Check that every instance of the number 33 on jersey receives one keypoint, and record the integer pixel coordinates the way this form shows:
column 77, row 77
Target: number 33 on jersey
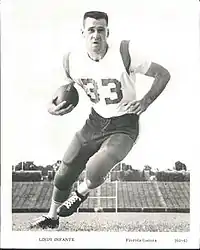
column 113, row 92
column 106, row 82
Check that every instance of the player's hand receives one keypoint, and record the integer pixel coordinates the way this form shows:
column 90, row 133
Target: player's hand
column 136, row 107
column 59, row 109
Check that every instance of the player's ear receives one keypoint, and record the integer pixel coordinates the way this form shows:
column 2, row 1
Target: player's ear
column 108, row 32
column 82, row 32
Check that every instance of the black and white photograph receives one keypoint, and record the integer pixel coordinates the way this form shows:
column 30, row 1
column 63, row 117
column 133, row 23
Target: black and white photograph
column 100, row 126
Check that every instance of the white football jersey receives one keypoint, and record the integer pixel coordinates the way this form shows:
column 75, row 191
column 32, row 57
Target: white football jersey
column 106, row 82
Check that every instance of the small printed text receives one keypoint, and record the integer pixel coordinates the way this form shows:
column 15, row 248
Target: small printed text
column 134, row 240
column 50, row 239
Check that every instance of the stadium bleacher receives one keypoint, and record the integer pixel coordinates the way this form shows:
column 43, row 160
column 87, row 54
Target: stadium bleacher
column 144, row 196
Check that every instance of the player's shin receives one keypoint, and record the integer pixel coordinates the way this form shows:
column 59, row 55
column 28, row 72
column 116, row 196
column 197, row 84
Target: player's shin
column 58, row 197
column 53, row 209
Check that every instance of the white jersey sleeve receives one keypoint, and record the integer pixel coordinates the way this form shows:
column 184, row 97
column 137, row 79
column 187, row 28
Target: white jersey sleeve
column 140, row 62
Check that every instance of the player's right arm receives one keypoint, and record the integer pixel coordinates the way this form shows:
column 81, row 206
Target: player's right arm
column 59, row 109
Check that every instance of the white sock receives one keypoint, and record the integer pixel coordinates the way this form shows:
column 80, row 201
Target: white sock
column 53, row 209
column 83, row 189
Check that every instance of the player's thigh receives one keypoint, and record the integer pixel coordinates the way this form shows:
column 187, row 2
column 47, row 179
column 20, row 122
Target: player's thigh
column 73, row 163
column 112, row 151
column 76, row 156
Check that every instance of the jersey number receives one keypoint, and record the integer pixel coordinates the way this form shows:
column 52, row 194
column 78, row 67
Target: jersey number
column 114, row 90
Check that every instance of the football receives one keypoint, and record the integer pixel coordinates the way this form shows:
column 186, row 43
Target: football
column 66, row 93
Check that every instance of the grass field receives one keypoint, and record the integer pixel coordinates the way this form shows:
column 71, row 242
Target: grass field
column 112, row 222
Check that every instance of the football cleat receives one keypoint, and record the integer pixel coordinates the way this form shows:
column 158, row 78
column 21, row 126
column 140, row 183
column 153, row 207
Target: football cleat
column 45, row 222
column 71, row 204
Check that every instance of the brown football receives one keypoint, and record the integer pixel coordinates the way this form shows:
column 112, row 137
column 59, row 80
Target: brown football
column 67, row 93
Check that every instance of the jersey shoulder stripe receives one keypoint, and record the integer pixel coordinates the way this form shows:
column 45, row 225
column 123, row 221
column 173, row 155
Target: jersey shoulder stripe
column 66, row 64
column 124, row 50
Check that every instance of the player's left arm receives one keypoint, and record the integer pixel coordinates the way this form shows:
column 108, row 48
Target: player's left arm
column 142, row 64
column 161, row 77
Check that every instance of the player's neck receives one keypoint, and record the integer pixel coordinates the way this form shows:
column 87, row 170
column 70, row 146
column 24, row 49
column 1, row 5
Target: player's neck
column 97, row 56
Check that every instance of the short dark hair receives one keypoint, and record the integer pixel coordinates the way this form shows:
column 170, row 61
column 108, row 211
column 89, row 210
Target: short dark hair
column 96, row 15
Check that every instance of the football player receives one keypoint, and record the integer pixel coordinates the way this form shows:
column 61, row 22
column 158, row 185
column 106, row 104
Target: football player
column 113, row 124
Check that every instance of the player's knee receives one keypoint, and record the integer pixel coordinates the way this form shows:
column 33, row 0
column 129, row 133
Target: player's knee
column 116, row 157
column 60, row 182
column 111, row 157
column 63, row 178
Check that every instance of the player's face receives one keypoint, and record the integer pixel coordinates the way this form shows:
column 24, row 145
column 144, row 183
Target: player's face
column 95, row 33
